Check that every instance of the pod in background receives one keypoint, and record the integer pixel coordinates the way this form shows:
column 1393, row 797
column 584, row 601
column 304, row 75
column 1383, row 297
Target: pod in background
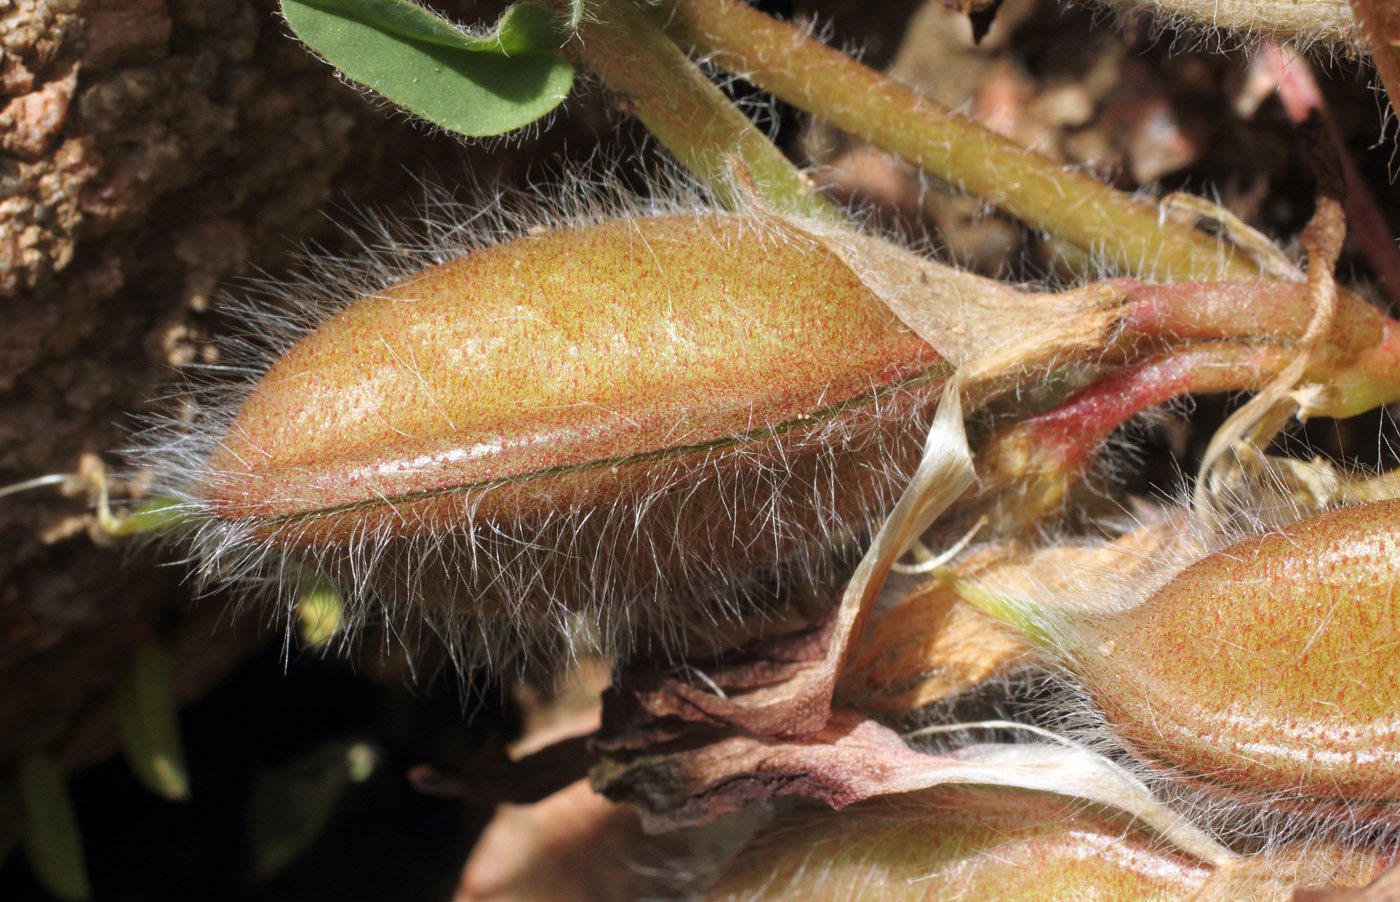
column 968, row 843
column 626, row 433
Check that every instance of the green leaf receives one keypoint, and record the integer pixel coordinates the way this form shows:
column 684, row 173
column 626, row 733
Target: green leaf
column 475, row 86
column 52, row 842
column 150, row 729
column 524, row 28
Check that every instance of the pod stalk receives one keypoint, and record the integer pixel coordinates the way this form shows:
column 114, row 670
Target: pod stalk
column 1017, row 613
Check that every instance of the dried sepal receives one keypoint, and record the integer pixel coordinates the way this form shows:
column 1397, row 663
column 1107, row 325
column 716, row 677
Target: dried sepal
column 854, row 758
column 928, row 648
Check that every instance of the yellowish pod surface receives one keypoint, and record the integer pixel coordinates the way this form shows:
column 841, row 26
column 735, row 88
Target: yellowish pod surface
column 969, row 844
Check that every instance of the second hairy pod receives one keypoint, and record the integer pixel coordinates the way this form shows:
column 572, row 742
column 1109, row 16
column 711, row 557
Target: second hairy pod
column 1265, row 672
column 1272, row 667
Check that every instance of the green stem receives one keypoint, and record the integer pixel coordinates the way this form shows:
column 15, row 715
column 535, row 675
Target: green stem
column 826, row 83
column 675, row 100
column 154, row 515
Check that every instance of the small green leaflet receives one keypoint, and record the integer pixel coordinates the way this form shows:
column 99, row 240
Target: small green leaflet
column 292, row 803
column 50, row 829
column 475, row 86
column 149, row 724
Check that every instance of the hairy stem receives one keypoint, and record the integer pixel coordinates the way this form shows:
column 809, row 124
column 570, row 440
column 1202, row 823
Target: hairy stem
column 679, row 105
column 799, row 69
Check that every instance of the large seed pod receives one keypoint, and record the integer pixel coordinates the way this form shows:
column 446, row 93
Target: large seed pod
column 612, row 426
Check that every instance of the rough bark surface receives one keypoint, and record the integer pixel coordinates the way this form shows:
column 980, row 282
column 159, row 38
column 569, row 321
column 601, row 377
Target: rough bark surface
column 150, row 151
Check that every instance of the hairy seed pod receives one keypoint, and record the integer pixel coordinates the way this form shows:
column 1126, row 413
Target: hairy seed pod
column 604, row 429
column 1269, row 670
column 965, row 843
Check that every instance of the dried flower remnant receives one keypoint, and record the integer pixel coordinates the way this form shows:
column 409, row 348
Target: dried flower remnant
column 853, row 758
column 928, row 649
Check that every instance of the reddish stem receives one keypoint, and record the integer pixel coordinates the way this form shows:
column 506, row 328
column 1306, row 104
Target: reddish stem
column 1066, row 439
column 1044, row 456
column 1359, row 369
column 1192, row 337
